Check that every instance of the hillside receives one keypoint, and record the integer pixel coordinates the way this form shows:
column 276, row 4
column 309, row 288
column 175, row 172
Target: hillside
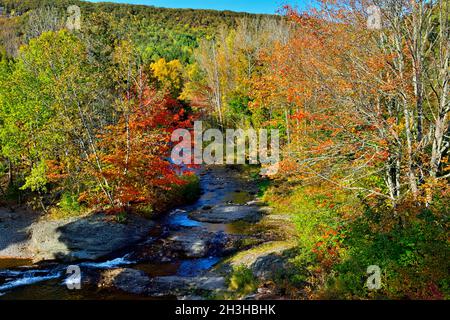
column 158, row 32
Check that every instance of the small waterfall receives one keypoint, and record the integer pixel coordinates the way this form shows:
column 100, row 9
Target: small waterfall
column 16, row 279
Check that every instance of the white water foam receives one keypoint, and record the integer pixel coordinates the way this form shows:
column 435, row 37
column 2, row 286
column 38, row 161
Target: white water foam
column 176, row 211
column 27, row 279
column 10, row 273
column 108, row 264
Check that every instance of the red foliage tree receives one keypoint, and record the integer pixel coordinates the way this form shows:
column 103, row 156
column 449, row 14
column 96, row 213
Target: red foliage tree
column 135, row 165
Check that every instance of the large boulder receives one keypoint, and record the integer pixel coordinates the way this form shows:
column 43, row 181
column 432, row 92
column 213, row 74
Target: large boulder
column 192, row 244
column 267, row 261
column 88, row 238
column 127, row 280
column 270, row 266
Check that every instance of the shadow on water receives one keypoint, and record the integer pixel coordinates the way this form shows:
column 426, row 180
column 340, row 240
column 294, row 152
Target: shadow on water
column 194, row 267
column 182, row 268
column 159, row 269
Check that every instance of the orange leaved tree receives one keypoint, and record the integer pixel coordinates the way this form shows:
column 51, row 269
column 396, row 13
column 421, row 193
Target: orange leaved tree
column 134, row 157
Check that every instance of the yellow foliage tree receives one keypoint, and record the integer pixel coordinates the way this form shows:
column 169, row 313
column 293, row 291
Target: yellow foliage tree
column 169, row 75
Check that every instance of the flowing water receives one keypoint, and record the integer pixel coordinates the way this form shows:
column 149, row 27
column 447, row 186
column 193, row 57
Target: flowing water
column 20, row 279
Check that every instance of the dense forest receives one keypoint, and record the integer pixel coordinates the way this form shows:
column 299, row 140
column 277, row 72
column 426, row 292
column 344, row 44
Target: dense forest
column 172, row 33
column 86, row 118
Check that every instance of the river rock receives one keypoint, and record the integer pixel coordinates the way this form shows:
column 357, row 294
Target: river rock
column 267, row 261
column 193, row 244
column 197, row 243
column 228, row 214
column 87, row 238
column 270, row 266
column 124, row 279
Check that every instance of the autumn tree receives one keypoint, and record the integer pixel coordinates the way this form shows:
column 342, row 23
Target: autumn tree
column 50, row 109
column 366, row 108
column 230, row 59
column 135, row 151
column 365, row 111
column 169, row 75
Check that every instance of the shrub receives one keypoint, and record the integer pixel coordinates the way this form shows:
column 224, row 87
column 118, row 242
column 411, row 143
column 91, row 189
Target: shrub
column 242, row 281
column 413, row 260
column 69, row 203
column 191, row 190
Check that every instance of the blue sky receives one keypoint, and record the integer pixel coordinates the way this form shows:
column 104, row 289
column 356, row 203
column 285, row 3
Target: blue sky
column 252, row 6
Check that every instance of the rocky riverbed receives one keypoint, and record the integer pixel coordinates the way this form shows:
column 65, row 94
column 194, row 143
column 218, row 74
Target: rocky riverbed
column 174, row 256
